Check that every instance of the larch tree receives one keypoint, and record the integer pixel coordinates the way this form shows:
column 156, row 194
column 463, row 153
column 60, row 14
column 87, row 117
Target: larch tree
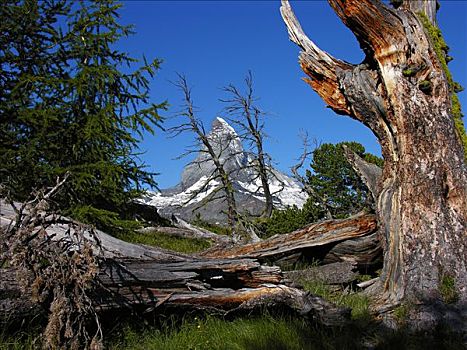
column 212, row 149
column 71, row 102
column 250, row 119
column 404, row 94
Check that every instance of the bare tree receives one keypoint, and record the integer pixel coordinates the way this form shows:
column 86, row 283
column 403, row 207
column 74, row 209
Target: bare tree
column 245, row 114
column 212, row 147
column 307, row 152
column 403, row 93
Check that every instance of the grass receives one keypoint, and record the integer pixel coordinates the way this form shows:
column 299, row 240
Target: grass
column 178, row 244
column 256, row 333
column 218, row 229
column 268, row 332
column 214, row 333
column 20, row 341
column 358, row 302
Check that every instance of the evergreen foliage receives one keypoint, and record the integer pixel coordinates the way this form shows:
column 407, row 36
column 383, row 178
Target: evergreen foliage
column 333, row 179
column 71, row 102
column 289, row 219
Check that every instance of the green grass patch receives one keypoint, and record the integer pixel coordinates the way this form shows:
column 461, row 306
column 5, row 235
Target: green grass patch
column 218, row 229
column 20, row 341
column 275, row 333
column 253, row 333
column 260, row 332
column 213, row 333
column 358, row 302
column 177, row 244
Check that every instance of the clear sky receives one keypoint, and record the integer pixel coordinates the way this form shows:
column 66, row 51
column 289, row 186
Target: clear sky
column 215, row 43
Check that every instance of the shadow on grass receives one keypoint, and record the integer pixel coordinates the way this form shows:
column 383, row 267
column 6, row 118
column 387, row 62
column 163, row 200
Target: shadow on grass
column 274, row 331
column 266, row 331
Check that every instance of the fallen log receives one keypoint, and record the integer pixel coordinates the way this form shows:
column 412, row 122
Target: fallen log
column 222, row 286
column 146, row 279
column 222, row 280
column 111, row 246
column 352, row 239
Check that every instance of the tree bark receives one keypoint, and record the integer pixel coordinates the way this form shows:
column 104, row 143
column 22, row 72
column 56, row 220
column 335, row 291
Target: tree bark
column 221, row 286
column 422, row 200
column 353, row 239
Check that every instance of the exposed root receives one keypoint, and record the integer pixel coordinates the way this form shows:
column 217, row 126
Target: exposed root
column 59, row 273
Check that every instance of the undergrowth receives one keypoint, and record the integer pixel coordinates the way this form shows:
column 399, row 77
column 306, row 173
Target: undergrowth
column 358, row 302
column 279, row 332
column 218, row 229
column 265, row 332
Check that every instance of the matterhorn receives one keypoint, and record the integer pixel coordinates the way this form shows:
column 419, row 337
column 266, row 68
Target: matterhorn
column 194, row 197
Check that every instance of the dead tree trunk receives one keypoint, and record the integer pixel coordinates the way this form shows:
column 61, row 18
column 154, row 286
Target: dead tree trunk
column 144, row 278
column 402, row 94
column 251, row 121
column 353, row 239
column 221, row 286
column 213, row 149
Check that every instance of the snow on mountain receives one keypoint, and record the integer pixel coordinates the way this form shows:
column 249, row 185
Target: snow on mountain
column 184, row 199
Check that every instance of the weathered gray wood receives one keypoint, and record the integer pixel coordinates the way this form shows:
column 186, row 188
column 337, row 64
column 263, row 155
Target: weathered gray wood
column 368, row 172
column 366, row 251
column 149, row 278
column 334, row 239
column 112, row 247
column 228, row 285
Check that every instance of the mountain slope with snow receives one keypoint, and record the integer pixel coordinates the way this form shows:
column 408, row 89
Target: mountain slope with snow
column 186, row 198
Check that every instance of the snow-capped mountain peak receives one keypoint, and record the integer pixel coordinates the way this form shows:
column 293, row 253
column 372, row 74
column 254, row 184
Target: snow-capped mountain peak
column 193, row 188
column 219, row 124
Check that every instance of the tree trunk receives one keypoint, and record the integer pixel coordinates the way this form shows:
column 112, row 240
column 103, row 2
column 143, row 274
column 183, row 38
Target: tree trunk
column 149, row 278
column 402, row 94
column 220, row 286
column 263, row 172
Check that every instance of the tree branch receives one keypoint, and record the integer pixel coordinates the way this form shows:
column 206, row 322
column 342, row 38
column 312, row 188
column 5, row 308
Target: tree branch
column 375, row 25
column 317, row 64
column 368, row 172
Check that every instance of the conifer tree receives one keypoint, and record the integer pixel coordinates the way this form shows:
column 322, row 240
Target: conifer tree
column 30, row 126
column 75, row 106
column 335, row 182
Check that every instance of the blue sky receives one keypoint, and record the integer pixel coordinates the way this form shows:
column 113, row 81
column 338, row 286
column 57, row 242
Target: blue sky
column 215, row 43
